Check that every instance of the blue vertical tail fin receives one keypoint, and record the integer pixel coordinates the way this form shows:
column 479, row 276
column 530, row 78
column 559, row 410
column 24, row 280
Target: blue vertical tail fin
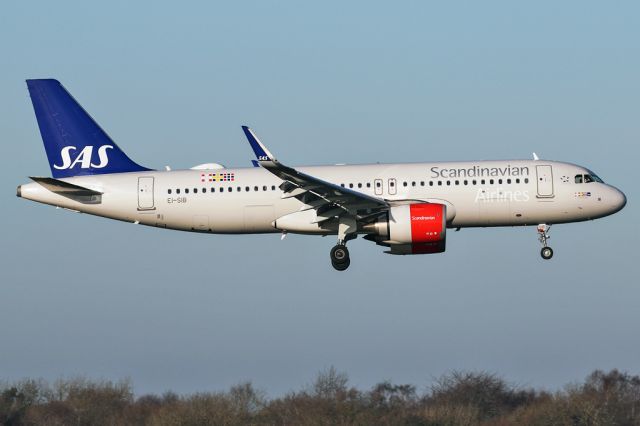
column 74, row 142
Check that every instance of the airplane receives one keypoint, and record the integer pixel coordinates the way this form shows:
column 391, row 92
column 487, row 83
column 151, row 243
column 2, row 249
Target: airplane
column 406, row 208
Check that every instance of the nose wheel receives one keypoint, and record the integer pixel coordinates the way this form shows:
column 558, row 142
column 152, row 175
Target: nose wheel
column 340, row 257
column 543, row 236
column 546, row 253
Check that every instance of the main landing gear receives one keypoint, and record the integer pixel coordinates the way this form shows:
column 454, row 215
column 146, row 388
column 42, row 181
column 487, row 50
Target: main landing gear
column 340, row 257
column 543, row 235
column 339, row 253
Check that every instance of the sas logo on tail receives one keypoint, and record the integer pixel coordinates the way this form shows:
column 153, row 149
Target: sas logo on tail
column 83, row 158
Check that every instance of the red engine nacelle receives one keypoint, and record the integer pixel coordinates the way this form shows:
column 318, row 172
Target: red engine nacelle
column 412, row 228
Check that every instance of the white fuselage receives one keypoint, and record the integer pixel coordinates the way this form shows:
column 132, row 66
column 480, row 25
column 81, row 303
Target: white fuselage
column 249, row 200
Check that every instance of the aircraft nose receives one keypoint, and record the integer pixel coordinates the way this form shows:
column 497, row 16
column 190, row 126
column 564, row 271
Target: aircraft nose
column 618, row 200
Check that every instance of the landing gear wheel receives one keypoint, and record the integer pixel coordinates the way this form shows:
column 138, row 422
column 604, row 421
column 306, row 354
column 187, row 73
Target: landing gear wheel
column 340, row 257
column 546, row 253
column 339, row 254
column 341, row 266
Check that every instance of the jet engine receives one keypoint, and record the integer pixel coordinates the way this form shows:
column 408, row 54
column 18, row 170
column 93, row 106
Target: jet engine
column 410, row 229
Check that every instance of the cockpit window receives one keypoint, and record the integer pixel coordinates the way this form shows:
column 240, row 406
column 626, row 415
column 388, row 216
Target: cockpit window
column 588, row 178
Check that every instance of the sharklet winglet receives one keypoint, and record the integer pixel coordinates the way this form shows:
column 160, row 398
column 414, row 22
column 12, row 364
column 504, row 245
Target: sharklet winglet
column 261, row 151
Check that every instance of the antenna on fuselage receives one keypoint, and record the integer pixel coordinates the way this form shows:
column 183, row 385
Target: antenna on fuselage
column 535, row 157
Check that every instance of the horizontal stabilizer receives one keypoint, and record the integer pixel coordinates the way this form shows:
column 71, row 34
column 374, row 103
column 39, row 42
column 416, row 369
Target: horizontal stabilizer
column 64, row 188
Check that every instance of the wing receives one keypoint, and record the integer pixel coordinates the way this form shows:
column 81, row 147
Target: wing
column 328, row 199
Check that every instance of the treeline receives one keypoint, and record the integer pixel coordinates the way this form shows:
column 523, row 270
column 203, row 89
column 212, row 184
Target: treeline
column 458, row 398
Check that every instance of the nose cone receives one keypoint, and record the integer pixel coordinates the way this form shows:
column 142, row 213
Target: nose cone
column 618, row 200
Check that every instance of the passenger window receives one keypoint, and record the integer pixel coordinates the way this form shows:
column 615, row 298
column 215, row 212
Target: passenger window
column 421, row 183
column 195, row 190
column 368, row 184
column 204, row 190
column 466, row 182
column 273, row 187
column 518, row 180
column 404, row 183
column 490, row 181
column 474, row 182
column 392, row 183
column 342, row 185
column 221, row 189
column 430, row 183
column 499, row 181
column 186, row 190
column 350, row 185
column 359, row 185
column 508, row 181
column 178, row 191
column 482, row 182
column 264, row 188
column 255, row 188
column 457, row 182
column 239, row 188
column 448, row 183
column 378, row 184
column 526, row 180
column 168, row 191
column 439, row 183
column 246, row 188
column 213, row 190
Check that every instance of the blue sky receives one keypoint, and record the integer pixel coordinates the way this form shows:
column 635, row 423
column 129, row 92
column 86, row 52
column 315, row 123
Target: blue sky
column 321, row 83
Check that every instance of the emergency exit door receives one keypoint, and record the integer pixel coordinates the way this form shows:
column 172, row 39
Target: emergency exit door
column 377, row 184
column 391, row 186
column 545, row 181
column 145, row 193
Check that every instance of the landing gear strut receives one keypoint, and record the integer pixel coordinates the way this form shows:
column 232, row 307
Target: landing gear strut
column 543, row 236
column 339, row 253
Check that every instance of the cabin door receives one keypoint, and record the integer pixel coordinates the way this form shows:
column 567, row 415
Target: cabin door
column 544, row 181
column 145, row 193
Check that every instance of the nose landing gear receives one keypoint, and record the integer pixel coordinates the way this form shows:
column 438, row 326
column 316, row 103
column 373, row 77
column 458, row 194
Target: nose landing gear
column 543, row 235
